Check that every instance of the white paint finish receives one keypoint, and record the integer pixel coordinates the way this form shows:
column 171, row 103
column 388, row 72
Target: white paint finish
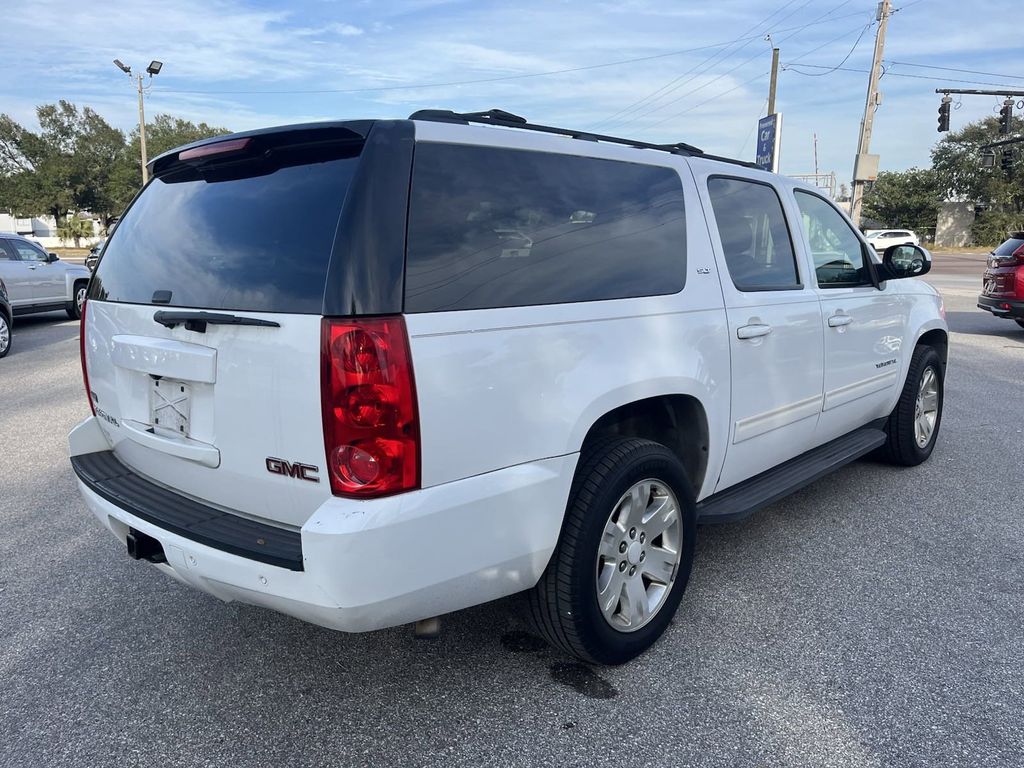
column 777, row 376
column 185, row 361
column 265, row 402
column 500, row 387
column 863, row 358
column 390, row 561
column 182, row 448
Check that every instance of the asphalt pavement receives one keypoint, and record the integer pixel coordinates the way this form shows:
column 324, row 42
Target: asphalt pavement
column 873, row 619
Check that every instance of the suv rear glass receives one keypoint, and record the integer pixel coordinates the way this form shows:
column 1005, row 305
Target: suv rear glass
column 495, row 227
column 252, row 233
column 1011, row 245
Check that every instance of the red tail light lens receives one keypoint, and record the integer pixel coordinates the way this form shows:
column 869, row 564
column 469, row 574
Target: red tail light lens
column 371, row 427
column 81, row 351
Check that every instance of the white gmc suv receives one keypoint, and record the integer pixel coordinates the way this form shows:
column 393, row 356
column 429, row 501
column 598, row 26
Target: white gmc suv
column 370, row 372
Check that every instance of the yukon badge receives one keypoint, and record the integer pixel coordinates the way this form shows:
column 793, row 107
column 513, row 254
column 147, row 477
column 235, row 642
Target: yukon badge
column 296, row 470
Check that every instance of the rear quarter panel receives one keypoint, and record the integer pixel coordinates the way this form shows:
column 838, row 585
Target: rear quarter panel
column 501, row 387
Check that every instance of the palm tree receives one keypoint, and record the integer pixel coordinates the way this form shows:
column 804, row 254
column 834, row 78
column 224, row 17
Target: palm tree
column 75, row 228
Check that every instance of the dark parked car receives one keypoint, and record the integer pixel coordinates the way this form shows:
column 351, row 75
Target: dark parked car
column 6, row 321
column 94, row 255
column 1003, row 291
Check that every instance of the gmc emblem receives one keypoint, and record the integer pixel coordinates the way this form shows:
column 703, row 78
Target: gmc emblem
column 287, row 469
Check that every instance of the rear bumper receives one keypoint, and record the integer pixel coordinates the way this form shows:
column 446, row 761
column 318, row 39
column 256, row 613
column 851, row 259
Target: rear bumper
column 373, row 564
column 1013, row 308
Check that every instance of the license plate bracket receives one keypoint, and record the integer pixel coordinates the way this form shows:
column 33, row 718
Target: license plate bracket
column 170, row 406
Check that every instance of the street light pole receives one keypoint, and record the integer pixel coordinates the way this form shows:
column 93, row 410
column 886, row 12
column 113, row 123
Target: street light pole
column 142, row 134
column 153, row 69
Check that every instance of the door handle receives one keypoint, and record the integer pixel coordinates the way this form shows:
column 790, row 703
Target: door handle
column 837, row 321
column 31, row 266
column 753, row 331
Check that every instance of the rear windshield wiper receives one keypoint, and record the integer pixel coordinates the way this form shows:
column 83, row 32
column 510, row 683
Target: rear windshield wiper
column 197, row 321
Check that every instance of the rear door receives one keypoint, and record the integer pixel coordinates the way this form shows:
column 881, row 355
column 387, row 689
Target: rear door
column 19, row 276
column 775, row 333
column 214, row 410
column 864, row 327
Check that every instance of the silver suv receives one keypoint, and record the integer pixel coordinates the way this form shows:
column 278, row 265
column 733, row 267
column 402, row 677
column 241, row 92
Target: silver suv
column 38, row 281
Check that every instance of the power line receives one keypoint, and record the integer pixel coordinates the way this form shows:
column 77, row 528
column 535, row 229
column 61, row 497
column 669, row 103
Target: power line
column 503, row 78
column 708, row 101
column 792, row 34
column 794, row 68
column 846, row 57
column 634, row 107
column 955, row 69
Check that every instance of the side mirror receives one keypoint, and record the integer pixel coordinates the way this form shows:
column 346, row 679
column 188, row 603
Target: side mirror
column 901, row 261
column 51, row 257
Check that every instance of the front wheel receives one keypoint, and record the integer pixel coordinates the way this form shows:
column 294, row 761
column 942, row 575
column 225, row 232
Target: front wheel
column 625, row 554
column 74, row 308
column 913, row 426
column 5, row 335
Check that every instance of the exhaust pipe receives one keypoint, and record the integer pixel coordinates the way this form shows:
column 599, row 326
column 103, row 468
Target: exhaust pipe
column 143, row 547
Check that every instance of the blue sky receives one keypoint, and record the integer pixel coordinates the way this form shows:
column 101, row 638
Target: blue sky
column 252, row 63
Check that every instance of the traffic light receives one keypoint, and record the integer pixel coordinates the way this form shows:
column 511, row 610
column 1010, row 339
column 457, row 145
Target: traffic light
column 944, row 108
column 1005, row 115
column 1006, row 161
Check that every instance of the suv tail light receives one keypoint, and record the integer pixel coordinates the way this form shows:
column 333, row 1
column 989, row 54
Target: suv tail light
column 371, row 426
column 81, row 351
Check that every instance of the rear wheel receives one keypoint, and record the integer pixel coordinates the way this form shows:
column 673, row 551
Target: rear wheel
column 914, row 423
column 625, row 554
column 74, row 308
column 5, row 335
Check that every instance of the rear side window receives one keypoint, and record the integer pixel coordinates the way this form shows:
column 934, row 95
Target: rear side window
column 250, row 235
column 755, row 239
column 1007, row 248
column 505, row 228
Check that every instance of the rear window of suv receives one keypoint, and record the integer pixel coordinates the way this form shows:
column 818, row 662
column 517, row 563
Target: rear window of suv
column 491, row 227
column 248, row 235
column 1011, row 245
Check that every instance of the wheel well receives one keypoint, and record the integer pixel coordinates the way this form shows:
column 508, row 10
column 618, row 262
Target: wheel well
column 676, row 421
column 939, row 340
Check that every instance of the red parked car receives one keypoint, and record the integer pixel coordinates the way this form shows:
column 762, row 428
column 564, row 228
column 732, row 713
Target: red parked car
column 1003, row 292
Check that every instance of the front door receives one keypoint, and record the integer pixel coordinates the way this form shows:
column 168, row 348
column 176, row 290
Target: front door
column 47, row 279
column 864, row 327
column 775, row 331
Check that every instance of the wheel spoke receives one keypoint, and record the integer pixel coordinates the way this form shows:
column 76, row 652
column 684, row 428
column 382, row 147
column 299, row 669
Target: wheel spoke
column 930, row 401
column 638, row 499
column 636, row 602
column 610, row 597
column 659, row 565
column 663, row 517
column 609, row 547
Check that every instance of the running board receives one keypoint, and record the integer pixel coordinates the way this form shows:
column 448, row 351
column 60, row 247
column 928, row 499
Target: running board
column 740, row 500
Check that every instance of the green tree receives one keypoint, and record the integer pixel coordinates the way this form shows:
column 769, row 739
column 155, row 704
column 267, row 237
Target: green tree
column 956, row 160
column 75, row 228
column 63, row 167
column 904, row 199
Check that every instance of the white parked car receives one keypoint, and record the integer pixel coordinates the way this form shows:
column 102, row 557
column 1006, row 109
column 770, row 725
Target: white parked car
column 494, row 360
column 880, row 239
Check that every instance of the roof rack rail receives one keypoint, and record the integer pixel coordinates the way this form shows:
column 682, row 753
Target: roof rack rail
column 507, row 120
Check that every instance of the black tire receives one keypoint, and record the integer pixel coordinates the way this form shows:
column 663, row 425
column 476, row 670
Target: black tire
column 5, row 325
column 902, row 446
column 1019, row 322
column 563, row 607
column 74, row 307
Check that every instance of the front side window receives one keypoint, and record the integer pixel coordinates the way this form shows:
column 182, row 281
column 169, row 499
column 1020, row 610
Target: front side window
column 836, row 249
column 755, row 239
column 27, row 252
column 492, row 227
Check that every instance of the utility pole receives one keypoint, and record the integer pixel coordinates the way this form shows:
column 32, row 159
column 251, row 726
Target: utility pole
column 774, row 81
column 866, row 165
column 142, row 133
column 153, row 69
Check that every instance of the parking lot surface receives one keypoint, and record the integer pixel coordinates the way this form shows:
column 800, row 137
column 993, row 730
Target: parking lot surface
column 873, row 619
